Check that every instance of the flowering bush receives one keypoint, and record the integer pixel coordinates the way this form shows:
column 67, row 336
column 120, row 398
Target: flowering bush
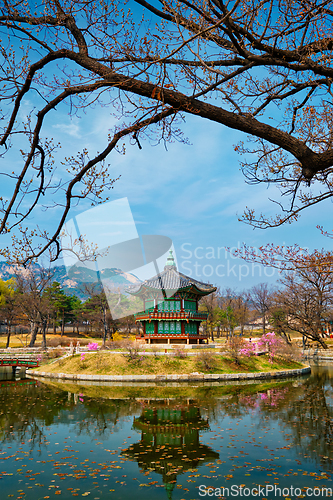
column 249, row 350
column 117, row 337
column 271, row 344
column 93, row 346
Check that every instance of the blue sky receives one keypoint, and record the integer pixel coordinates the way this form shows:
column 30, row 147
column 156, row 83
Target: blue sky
column 193, row 194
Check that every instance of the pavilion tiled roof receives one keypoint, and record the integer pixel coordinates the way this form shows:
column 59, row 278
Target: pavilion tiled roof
column 171, row 279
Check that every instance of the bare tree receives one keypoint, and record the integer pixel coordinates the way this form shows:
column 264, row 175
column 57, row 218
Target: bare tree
column 306, row 301
column 8, row 310
column 263, row 68
column 96, row 309
column 279, row 317
column 261, row 299
column 226, row 313
column 209, row 304
column 307, row 296
column 241, row 308
column 31, row 300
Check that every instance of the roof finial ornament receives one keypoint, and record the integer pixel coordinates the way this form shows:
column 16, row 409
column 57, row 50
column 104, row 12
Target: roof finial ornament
column 170, row 261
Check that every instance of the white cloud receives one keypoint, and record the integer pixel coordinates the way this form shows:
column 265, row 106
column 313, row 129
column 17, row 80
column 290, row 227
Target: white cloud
column 72, row 129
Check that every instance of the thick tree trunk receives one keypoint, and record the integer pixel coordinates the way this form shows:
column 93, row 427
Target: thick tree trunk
column 45, row 323
column 33, row 333
column 63, row 323
column 9, row 331
column 322, row 343
column 286, row 337
column 105, row 325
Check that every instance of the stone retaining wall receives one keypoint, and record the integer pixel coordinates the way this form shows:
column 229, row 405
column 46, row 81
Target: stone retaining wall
column 174, row 378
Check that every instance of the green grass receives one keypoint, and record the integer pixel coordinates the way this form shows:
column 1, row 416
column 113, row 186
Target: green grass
column 102, row 363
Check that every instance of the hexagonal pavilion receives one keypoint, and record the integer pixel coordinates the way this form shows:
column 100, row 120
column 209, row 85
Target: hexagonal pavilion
column 170, row 303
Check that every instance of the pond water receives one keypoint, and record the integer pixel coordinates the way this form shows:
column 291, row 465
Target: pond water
column 181, row 441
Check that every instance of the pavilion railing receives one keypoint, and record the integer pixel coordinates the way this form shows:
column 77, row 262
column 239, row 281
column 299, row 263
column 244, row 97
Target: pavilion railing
column 180, row 315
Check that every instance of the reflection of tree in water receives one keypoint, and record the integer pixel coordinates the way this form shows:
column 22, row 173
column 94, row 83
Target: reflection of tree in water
column 244, row 398
column 310, row 419
column 304, row 408
column 26, row 409
column 100, row 417
column 170, row 439
column 29, row 406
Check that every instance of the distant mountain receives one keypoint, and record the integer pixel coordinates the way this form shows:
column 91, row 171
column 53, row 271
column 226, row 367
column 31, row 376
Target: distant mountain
column 72, row 281
column 8, row 271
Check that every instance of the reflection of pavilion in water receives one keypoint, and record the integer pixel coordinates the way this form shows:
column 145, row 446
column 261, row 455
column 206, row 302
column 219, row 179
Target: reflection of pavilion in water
column 170, row 439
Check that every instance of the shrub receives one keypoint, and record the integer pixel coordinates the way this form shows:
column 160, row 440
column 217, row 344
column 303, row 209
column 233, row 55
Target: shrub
column 132, row 352
column 56, row 341
column 272, row 344
column 236, row 344
column 249, row 349
column 289, row 352
column 155, row 350
column 206, row 360
column 179, row 353
column 117, row 337
column 54, row 353
column 83, row 342
column 93, row 346
column 113, row 344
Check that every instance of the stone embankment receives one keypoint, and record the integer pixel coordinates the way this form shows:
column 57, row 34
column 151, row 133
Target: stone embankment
column 321, row 354
column 195, row 376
